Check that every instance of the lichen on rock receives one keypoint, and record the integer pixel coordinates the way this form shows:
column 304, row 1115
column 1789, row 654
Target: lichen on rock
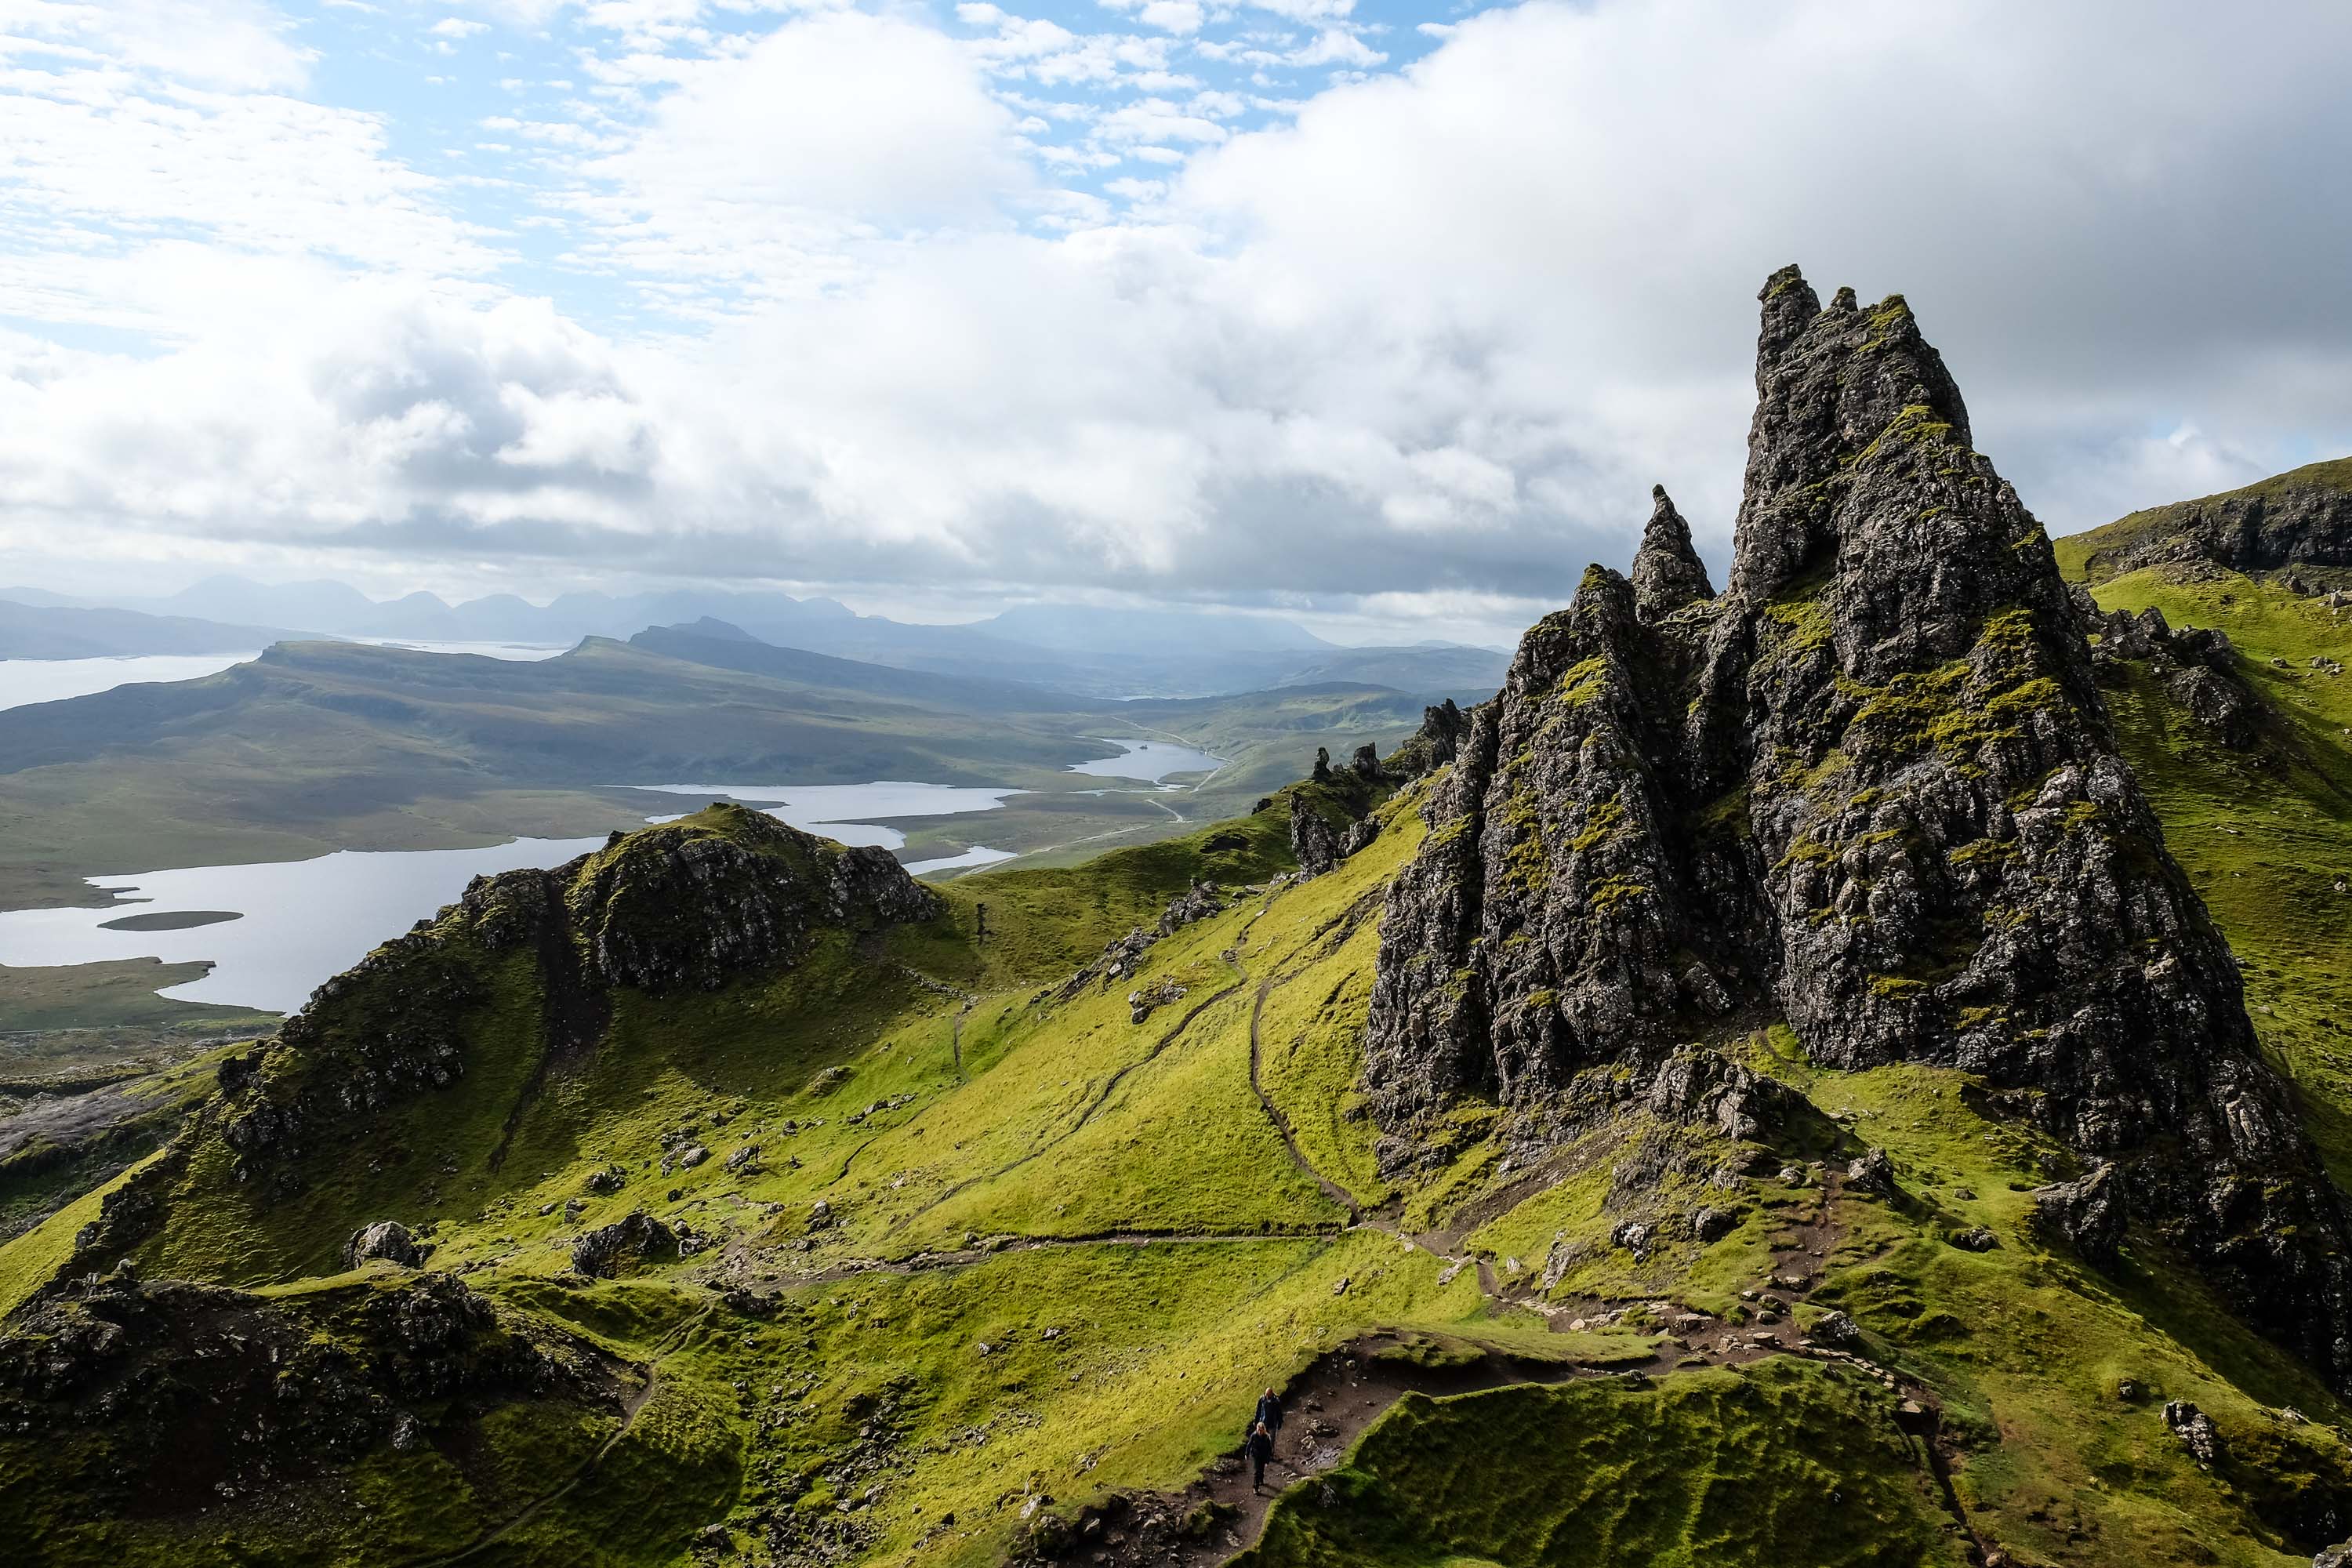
column 1872, row 788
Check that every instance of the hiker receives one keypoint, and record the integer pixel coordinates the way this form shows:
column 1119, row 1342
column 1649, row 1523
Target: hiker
column 1270, row 1411
column 1260, row 1449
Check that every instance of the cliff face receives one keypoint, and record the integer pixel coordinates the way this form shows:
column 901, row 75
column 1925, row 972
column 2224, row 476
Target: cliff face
column 1871, row 789
column 688, row 905
column 2299, row 519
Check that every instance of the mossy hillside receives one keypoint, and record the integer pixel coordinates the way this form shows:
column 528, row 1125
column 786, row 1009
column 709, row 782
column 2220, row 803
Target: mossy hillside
column 2030, row 1352
column 1781, row 1464
column 1171, row 1338
column 2090, row 557
column 2265, row 836
column 1059, row 1371
column 44, row 1173
column 1042, row 923
column 1104, row 1366
column 1583, row 1200
column 1078, row 1121
column 473, row 1459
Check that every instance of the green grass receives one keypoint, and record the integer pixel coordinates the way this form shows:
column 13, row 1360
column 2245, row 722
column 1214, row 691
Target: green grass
column 2090, row 557
column 117, row 992
column 1137, row 1250
column 1782, row 1464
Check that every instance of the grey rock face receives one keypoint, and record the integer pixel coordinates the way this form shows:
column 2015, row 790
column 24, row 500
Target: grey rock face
column 670, row 908
column 606, row 1252
column 1314, row 841
column 2087, row 1214
column 385, row 1239
column 2195, row 1429
column 2333, row 1557
column 1872, row 788
column 1667, row 573
column 1433, row 745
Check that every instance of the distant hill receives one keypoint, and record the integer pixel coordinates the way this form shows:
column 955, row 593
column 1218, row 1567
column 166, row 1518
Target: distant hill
column 2298, row 520
column 725, row 646
column 33, row 631
column 1087, row 650
column 1094, row 630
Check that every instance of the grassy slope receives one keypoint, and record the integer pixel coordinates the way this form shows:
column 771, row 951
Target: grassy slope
column 2086, row 557
column 1032, row 1116
column 1788, row 1463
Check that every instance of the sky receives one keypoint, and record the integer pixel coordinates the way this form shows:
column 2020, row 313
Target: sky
column 1383, row 316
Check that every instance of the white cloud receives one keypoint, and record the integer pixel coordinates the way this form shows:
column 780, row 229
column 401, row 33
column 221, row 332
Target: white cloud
column 1417, row 352
column 235, row 45
column 1171, row 16
column 457, row 28
column 837, row 128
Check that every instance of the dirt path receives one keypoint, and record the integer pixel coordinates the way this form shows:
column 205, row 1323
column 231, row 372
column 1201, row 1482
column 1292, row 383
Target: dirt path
column 1326, row 1408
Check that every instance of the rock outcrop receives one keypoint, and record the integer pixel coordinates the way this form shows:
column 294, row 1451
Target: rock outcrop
column 1871, row 789
column 201, row 1393
column 1432, row 746
column 1667, row 572
column 637, row 1238
column 2299, row 519
column 687, row 905
column 386, row 1239
column 2196, row 666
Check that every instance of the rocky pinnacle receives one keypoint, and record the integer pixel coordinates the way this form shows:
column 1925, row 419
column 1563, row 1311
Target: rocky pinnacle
column 1667, row 573
column 1870, row 790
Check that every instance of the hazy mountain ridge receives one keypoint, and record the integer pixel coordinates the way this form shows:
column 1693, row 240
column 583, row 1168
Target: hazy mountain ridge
column 60, row 632
column 1093, row 652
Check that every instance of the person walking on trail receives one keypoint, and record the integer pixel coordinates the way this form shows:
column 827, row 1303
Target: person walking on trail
column 1269, row 1413
column 1260, row 1449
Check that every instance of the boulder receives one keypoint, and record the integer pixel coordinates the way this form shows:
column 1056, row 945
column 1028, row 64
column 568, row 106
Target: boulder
column 2196, row 1431
column 620, row 1247
column 387, row 1239
column 1873, row 1173
column 2086, row 1214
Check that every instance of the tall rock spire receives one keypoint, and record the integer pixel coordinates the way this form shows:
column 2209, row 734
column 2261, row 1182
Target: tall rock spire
column 1667, row 573
column 1870, row 790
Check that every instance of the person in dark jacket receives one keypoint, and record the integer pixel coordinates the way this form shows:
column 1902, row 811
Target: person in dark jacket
column 1260, row 1449
column 1270, row 1411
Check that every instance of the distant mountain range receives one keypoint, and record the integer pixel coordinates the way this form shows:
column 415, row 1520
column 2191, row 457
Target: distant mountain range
column 1084, row 651
column 30, row 631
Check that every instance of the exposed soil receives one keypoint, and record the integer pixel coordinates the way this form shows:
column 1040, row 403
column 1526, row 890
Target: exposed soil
column 1327, row 1408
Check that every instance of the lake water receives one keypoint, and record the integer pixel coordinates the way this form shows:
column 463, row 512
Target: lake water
column 838, row 811
column 24, row 681
column 304, row 921
column 516, row 652
column 1151, row 761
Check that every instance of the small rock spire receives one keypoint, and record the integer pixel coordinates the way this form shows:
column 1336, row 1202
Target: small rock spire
column 1667, row 573
column 1789, row 307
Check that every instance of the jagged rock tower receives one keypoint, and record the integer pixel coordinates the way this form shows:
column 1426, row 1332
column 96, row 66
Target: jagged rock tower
column 1871, row 789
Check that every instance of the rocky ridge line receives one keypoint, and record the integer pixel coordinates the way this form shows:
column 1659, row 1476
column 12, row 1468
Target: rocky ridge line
column 1872, row 789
